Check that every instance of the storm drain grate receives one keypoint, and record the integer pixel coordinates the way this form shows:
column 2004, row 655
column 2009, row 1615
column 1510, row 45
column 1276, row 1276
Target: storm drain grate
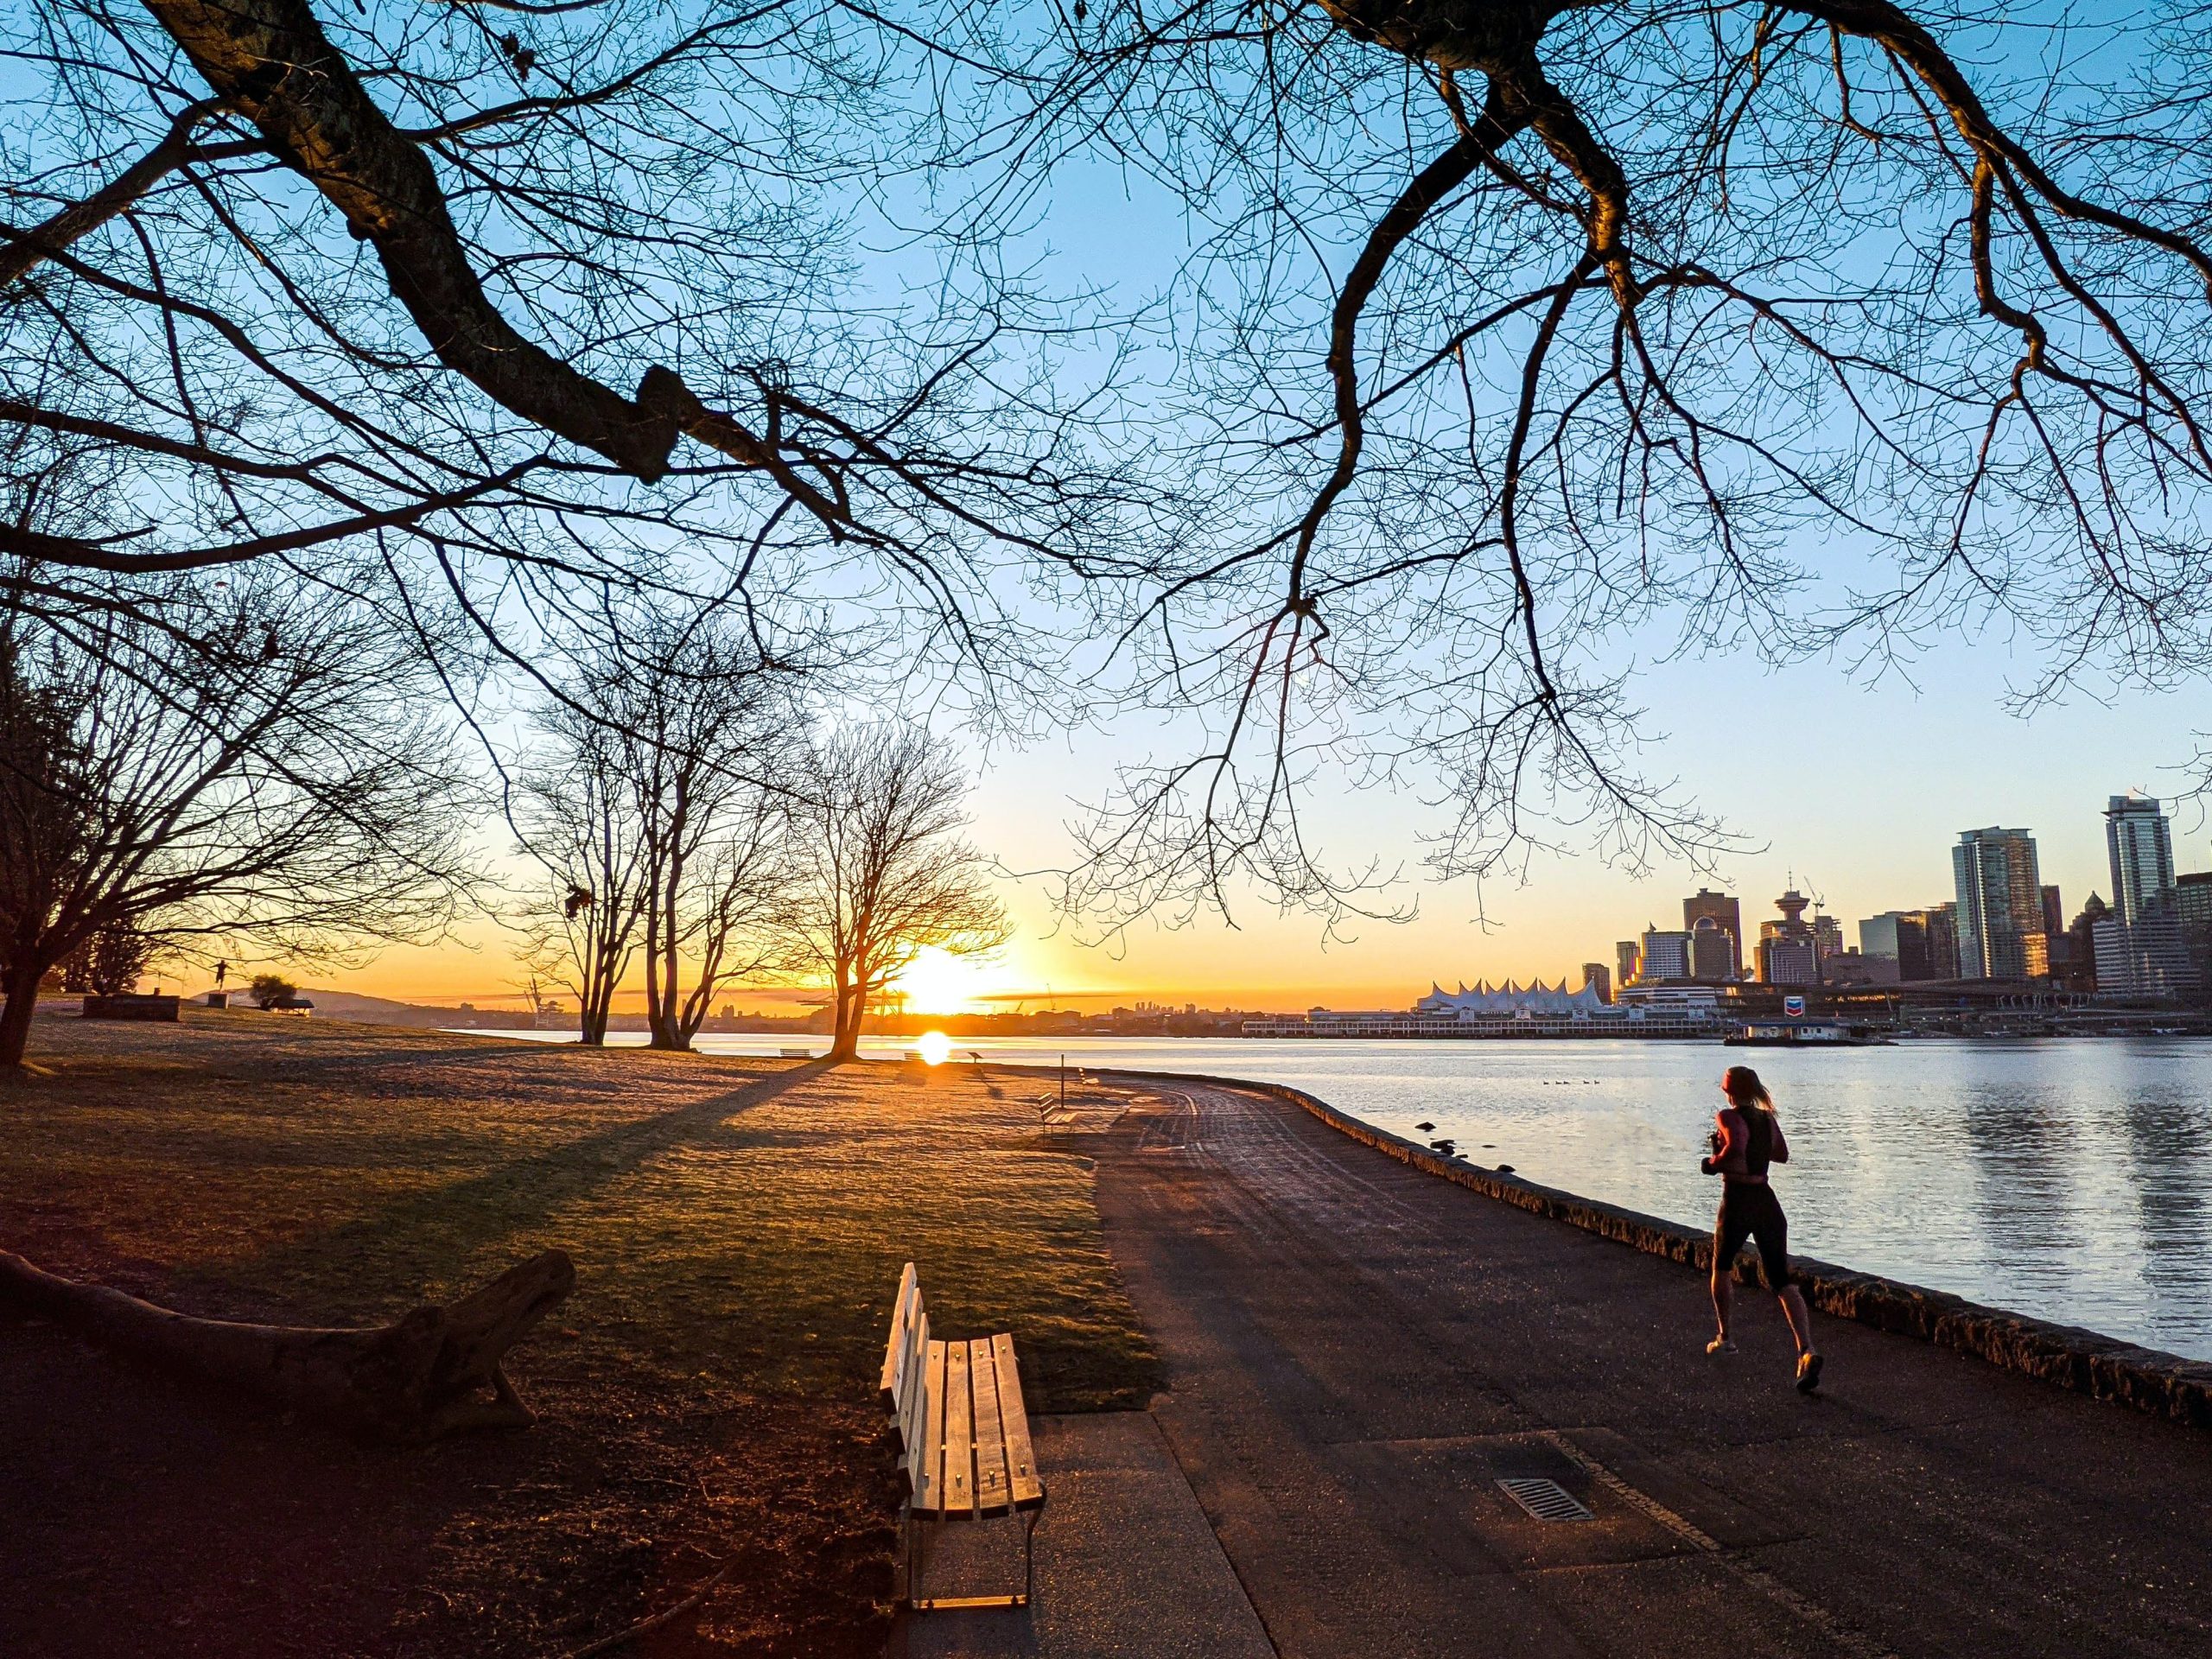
column 1546, row 1499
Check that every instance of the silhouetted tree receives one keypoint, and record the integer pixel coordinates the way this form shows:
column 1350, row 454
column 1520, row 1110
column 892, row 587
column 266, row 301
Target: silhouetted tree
column 268, row 990
column 645, row 802
column 1522, row 342
column 461, row 288
column 881, row 872
column 254, row 760
column 112, row 959
column 572, row 814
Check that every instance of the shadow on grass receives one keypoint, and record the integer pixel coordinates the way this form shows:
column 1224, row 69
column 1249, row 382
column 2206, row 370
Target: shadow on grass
column 430, row 1234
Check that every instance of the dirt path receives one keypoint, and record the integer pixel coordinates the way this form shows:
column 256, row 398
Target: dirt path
column 1358, row 1352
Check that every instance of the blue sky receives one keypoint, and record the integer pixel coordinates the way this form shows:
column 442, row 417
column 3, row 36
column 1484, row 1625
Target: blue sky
column 1857, row 790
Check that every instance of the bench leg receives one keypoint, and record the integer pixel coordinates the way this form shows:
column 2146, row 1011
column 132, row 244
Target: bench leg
column 913, row 1565
column 1029, row 1552
column 922, row 1604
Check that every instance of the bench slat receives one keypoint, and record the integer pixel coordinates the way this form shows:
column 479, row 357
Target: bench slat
column 929, row 1444
column 1021, row 1458
column 909, row 1423
column 898, row 1352
column 994, row 1496
column 959, row 1432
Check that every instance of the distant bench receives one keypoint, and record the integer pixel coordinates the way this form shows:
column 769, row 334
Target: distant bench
column 963, row 1437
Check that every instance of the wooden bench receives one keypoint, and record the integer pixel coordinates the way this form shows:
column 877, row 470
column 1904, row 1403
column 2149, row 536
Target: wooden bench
column 963, row 1437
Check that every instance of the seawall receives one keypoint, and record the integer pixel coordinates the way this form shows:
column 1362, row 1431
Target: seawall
column 2161, row 1384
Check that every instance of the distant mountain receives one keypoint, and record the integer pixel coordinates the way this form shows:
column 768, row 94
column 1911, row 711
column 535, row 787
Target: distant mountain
column 383, row 1011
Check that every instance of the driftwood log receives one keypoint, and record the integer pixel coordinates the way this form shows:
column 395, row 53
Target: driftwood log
column 425, row 1377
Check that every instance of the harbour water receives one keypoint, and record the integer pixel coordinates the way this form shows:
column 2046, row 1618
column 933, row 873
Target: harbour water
column 2067, row 1178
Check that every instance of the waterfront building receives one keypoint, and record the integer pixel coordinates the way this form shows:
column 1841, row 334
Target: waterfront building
column 1666, row 955
column 2139, row 845
column 2193, row 907
column 1879, row 936
column 1510, row 1001
column 2193, row 899
column 1627, row 962
column 1696, row 1004
column 1511, row 1011
column 1719, row 909
column 2150, row 958
column 2141, row 947
column 1903, row 937
column 1942, row 922
column 1714, row 953
column 1855, row 967
column 1788, row 954
column 1827, row 936
column 1595, row 978
column 2080, row 967
column 1999, row 901
column 2057, row 935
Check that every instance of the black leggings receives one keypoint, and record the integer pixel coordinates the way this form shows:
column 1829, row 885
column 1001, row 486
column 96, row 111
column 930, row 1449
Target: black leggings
column 1750, row 1209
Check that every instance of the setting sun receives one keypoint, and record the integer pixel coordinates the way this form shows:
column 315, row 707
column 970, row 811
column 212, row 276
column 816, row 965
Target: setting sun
column 938, row 982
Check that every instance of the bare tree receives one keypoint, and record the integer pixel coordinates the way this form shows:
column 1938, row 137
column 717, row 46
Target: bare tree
column 1554, row 336
column 527, row 297
column 652, row 818
column 881, row 870
column 572, row 812
column 110, row 962
column 1522, row 343
column 208, row 764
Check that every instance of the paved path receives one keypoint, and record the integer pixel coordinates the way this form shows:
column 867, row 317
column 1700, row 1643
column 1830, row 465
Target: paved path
column 1357, row 1352
column 1126, row 1568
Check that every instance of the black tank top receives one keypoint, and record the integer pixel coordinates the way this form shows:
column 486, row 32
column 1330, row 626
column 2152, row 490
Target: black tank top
column 1758, row 1142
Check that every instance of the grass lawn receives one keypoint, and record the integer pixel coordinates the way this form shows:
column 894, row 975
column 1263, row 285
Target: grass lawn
column 737, row 1226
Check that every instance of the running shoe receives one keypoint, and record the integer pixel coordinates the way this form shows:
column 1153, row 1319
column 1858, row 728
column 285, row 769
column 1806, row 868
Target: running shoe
column 1808, row 1373
column 1720, row 1346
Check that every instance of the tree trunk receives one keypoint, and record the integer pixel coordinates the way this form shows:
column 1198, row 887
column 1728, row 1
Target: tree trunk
column 21, row 989
column 845, row 1029
column 415, row 1380
column 593, row 1006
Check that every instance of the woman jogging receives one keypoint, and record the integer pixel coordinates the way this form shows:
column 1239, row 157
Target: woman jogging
column 1746, row 1140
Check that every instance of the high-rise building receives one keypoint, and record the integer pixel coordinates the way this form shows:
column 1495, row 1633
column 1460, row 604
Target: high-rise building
column 2081, row 968
column 1714, row 953
column 1787, row 954
column 2001, row 902
column 1827, row 936
column 1596, row 977
column 2140, row 846
column 1722, row 911
column 1901, row 936
column 2150, row 958
column 2193, row 899
column 1627, row 962
column 1883, row 936
column 2193, row 905
column 1666, row 955
column 1942, row 924
column 2058, row 942
column 2141, row 948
